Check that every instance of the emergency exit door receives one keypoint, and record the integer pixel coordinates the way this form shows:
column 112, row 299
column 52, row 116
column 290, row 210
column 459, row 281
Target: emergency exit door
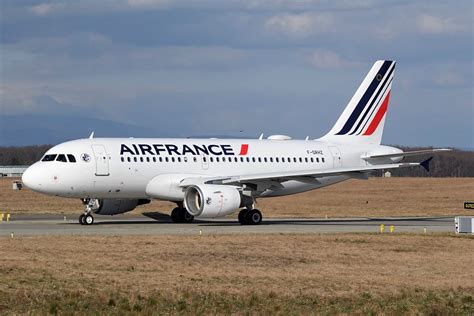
column 101, row 160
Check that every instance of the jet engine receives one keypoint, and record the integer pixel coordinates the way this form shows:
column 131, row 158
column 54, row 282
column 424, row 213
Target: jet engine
column 213, row 200
column 118, row 206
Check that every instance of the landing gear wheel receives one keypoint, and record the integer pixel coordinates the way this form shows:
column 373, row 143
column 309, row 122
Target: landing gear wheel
column 187, row 218
column 181, row 215
column 81, row 219
column 175, row 215
column 253, row 217
column 242, row 214
column 88, row 219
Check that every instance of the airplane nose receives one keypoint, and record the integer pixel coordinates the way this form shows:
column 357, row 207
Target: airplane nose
column 30, row 178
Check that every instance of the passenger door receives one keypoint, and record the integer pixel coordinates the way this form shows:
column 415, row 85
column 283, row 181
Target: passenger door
column 336, row 157
column 101, row 160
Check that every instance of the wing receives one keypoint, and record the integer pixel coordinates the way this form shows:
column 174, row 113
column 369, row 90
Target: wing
column 305, row 175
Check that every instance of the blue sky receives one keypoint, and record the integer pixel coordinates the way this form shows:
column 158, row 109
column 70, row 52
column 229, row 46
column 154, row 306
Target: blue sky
column 221, row 67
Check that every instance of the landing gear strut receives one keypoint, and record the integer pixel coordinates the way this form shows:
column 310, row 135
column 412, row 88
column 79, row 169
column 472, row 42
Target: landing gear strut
column 87, row 218
column 250, row 217
column 181, row 215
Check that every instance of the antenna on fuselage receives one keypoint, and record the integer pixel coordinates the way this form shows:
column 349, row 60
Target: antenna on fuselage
column 261, row 137
column 307, row 138
column 91, row 135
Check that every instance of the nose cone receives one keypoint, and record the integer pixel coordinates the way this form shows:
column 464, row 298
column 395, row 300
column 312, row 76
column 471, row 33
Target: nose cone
column 31, row 178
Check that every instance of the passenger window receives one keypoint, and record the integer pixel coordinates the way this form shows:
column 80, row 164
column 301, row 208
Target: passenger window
column 128, row 159
column 322, row 159
column 147, row 159
column 312, row 160
column 71, row 158
column 217, row 159
column 154, row 159
column 306, row 159
column 259, row 159
column 211, row 159
column 235, row 159
column 301, row 159
column 195, row 159
column 276, row 159
column 294, row 159
column 61, row 158
column 317, row 160
column 271, row 159
column 135, row 159
column 122, row 159
column 241, row 159
column 166, row 159
column 141, row 159
column 223, row 159
column 204, row 159
column 161, row 159
column 179, row 159
column 49, row 158
column 282, row 159
column 253, row 159
column 172, row 159
column 248, row 159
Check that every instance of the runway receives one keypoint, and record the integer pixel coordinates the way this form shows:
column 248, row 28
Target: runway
column 160, row 224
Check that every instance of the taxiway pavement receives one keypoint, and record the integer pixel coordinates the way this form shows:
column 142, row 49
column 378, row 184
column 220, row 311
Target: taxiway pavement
column 160, row 224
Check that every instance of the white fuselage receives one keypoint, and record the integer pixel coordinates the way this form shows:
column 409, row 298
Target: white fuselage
column 122, row 167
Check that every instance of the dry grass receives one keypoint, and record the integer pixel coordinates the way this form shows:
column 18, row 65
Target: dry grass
column 332, row 271
column 375, row 197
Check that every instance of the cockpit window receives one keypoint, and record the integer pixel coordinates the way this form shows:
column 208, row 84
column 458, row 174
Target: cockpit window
column 61, row 158
column 71, row 158
column 49, row 158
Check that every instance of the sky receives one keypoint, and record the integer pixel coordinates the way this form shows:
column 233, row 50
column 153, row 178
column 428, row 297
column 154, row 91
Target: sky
column 238, row 67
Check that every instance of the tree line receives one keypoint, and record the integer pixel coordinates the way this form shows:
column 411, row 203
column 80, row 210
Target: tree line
column 456, row 163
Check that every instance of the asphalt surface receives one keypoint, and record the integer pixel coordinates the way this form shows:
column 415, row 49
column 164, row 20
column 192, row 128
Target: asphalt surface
column 160, row 224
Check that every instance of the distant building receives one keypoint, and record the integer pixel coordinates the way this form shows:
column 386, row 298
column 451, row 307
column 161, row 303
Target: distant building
column 12, row 171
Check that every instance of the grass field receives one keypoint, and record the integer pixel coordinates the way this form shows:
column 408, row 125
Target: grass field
column 353, row 198
column 223, row 274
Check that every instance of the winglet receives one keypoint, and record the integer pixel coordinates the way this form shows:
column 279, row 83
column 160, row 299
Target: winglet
column 91, row 135
column 426, row 164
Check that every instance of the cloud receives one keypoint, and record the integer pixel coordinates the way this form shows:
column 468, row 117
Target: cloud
column 149, row 3
column 299, row 25
column 325, row 59
column 431, row 24
column 42, row 9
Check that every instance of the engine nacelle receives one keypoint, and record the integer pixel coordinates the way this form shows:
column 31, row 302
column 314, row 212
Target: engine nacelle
column 213, row 200
column 117, row 206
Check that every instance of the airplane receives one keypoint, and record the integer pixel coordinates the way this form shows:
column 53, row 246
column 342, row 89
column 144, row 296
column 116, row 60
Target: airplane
column 210, row 178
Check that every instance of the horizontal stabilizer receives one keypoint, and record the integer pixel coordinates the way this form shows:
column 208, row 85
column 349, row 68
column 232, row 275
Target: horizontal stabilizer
column 406, row 154
column 426, row 164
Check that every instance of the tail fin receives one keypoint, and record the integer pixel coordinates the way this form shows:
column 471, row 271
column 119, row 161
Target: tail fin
column 363, row 119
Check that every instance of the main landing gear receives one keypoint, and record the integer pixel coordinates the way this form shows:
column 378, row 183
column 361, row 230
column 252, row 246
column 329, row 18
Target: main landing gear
column 87, row 218
column 181, row 215
column 250, row 217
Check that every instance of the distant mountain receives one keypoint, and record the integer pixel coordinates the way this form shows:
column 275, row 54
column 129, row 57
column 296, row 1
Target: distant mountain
column 36, row 129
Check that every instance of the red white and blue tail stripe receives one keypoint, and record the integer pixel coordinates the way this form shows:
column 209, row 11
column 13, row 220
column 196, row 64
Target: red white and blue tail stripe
column 364, row 117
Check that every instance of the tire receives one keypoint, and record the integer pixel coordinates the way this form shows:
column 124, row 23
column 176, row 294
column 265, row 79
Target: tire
column 253, row 217
column 88, row 219
column 186, row 217
column 175, row 215
column 242, row 215
column 81, row 219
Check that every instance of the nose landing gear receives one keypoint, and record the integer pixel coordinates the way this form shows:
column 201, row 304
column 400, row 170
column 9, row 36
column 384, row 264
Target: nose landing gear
column 87, row 218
